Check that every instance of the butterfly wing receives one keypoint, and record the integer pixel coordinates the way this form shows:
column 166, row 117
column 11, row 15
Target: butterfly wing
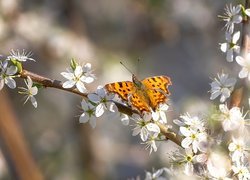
column 139, row 101
column 159, row 83
column 157, row 89
column 128, row 92
column 123, row 89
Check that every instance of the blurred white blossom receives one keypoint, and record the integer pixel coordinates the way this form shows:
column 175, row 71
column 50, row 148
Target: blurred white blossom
column 155, row 175
column 237, row 148
column 6, row 73
column 21, row 56
column 78, row 76
column 231, row 118
column 192, row 138
column 88, row 114
column 185, row 160
column 218, row 166
column 241, row 170
column 232, row 16
column 150, row 143
column 29, row 92
column 245, row 63
column 102, row 100
column 144, row 127
column 160, row 113
column 223, row 86
column 230, row 46
column 247, row 11
column 190, row 122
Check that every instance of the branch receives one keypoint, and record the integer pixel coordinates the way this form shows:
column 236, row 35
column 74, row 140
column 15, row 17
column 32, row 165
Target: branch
column 47, row 82
column 237, row 95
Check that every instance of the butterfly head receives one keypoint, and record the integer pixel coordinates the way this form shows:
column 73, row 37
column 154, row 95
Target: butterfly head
column 136, row 81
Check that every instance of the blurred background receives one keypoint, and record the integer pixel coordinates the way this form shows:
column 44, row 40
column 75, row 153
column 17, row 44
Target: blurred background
column 175, row 38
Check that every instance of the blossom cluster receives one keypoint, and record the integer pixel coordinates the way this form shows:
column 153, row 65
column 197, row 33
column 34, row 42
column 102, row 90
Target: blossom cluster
column 202, row 156
column 10, row 67
column 102, row 103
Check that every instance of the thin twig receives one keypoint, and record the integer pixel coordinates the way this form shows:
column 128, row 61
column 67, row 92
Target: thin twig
column 46, row 82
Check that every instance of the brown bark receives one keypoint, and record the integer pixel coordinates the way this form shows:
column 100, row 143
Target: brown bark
column 13, row 142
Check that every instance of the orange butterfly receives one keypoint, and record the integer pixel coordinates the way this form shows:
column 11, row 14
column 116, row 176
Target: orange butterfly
column 143, row 95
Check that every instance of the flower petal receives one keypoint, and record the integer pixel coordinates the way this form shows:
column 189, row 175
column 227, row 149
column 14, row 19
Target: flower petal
column 243, row 73
column 80, row 86
column 94, row 98
column 229, row 55
column 99, row 110
column 186, row 142
column 78, row 71
column 68, row 84
column 11, row 83
column 67, row 75
column 84, row 118
column 33, row 101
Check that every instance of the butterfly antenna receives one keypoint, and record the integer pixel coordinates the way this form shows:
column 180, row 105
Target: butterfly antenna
column 126, row 67
column 138, row 66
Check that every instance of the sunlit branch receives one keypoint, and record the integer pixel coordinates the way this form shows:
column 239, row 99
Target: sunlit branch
column 47, row 82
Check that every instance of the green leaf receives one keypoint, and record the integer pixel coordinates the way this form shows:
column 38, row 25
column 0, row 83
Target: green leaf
column 18, row 64
column 38, row 85
column 73, row 63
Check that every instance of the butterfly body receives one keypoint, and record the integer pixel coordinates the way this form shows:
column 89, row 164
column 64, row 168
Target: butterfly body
column 142, row 95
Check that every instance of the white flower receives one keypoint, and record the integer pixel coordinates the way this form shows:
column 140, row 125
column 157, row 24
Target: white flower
column 159, row 114
column 247, row 11
column 88, row 114
column 30, row 91
column 230, row 47
column 124, row 119
column 218, row 165
column 150, row 143
column 103, row 101
column 242, row 171
column 237, row 147
column 245, row 63
column 155, row 175
column 231, row 119
column 187, row 160
column 78, row 77
column 232, row 16
column 20, row 56
column 193, row 138
column 6, row 74
column 144, row 127
column 223, row 86
column 194, row 122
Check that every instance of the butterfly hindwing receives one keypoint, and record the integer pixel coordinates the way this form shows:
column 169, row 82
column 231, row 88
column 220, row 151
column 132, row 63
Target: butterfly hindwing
column 156, row 97
column 139, row 101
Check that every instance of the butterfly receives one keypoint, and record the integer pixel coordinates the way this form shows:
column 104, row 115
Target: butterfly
column 145, row 95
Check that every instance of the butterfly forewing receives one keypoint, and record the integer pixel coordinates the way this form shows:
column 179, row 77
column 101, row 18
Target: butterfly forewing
column 158, row 83
column 123, row 89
